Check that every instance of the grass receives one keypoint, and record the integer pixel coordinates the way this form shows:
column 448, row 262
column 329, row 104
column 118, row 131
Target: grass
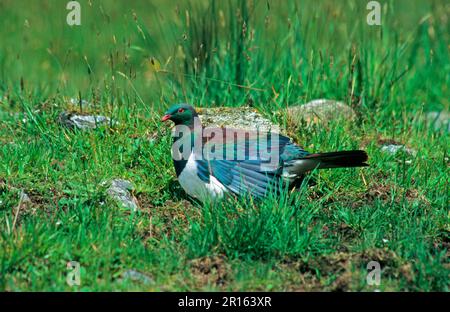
column 131, row 61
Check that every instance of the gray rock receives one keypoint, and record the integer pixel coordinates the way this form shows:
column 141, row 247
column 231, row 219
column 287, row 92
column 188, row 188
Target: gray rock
column 235, row 117
column 84, row 122
column 320, row 111
column 119, row 191
column 439, row 120
column 316, row 111
column 24, row 198
column 396, row 148
column 136, row 276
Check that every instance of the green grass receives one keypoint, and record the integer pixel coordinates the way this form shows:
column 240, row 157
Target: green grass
column 321, row 238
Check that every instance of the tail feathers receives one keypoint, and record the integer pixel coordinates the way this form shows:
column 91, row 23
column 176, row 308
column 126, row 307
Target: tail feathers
column 342, row 159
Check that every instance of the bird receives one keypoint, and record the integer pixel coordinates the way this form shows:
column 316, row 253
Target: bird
column 256, row 174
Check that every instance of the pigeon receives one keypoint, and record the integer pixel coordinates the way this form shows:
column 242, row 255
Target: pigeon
column 213, row 162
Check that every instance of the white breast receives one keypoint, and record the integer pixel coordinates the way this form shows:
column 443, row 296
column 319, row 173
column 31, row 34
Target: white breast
column 197, row 188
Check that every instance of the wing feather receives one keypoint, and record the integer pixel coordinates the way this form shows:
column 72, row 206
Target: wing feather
column 256, row 173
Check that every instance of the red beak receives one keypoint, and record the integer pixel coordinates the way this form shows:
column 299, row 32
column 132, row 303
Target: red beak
column 166, row 117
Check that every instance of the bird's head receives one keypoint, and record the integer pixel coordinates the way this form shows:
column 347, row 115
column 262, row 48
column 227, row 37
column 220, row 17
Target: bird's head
column 180, row 114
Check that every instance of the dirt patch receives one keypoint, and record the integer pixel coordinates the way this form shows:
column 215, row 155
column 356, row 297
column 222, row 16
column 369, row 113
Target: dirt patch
column 384, row 141
column 210, row 271
column 379, row 191
column 172, row 219
column 442, row 241
column 314, row 272
column 388, row 191
column 343, row 230
column 339, row 271
column 380, row 141
column 407, row 272
column 384, row 256
column 299, row 281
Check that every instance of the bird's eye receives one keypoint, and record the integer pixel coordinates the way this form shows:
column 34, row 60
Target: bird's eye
column 180, row 110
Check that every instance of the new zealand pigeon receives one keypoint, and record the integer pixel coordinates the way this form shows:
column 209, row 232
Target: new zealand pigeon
column 253, row 164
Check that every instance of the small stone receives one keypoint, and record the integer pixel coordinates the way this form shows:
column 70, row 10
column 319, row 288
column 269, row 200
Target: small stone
column 136, row 276
column 120, row 191
column 320, row 111
column 84, row 122
column 439, row 120
column 395, row 148
column 122, row 184
column 24, row 198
